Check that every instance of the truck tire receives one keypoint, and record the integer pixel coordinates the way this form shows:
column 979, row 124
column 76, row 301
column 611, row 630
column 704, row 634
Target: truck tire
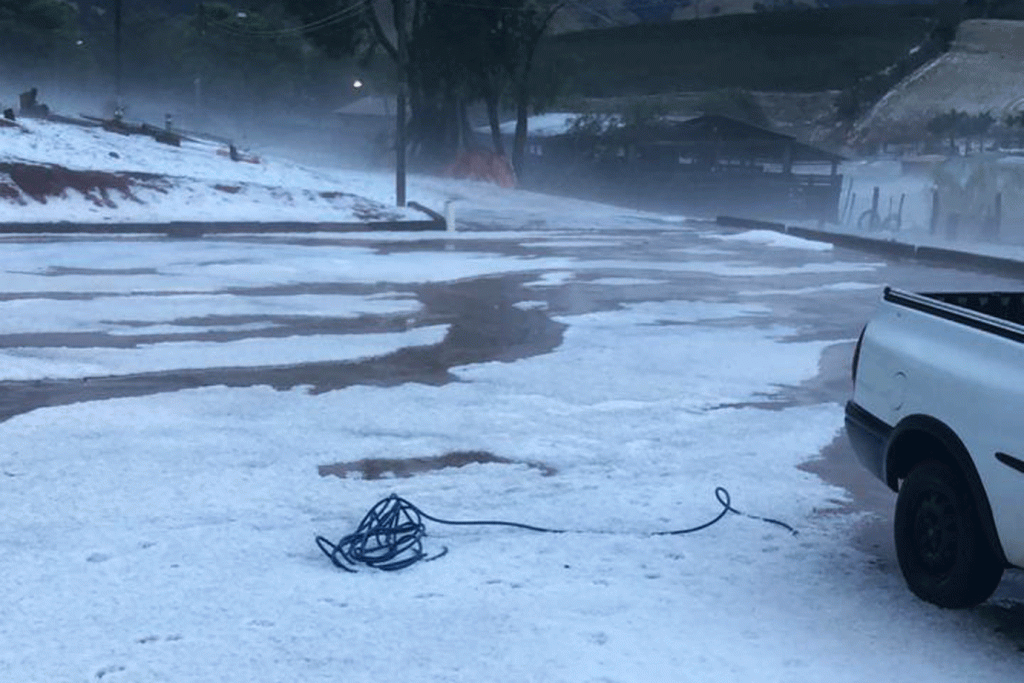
column 942, row 550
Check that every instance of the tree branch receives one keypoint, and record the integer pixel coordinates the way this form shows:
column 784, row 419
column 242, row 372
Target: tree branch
column 378, row 30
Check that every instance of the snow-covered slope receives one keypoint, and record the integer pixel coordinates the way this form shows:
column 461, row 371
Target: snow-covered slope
column 982, row 72
column 52, row 171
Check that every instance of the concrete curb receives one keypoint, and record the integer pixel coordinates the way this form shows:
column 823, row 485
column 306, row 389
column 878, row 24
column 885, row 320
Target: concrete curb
column 942, row 255
column 200, row 228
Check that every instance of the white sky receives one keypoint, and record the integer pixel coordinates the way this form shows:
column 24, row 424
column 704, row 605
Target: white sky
column 170, row 537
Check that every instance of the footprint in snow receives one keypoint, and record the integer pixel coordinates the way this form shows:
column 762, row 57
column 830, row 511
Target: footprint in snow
column 156, row 639
column 108, row 670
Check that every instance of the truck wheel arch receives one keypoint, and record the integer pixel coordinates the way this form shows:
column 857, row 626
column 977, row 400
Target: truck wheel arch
column 918, row 438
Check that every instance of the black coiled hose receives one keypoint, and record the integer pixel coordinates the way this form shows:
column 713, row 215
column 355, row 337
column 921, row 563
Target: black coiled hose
column 390, row 536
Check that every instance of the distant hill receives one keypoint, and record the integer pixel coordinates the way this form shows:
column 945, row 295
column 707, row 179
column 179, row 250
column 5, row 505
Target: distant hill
column 580, row 15
column 575, row 16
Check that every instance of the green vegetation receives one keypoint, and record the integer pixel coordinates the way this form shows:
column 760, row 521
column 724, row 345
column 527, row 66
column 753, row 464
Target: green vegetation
column 955, row 124
column 31, row 30
column 793, row 51
column 288, row 55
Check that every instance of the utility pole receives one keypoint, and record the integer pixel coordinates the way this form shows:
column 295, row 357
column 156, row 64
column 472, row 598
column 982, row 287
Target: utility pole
column 403, row 85
column 201, row 62
column 117, row 59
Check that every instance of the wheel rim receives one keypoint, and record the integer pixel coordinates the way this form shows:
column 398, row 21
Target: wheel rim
column 936, row 532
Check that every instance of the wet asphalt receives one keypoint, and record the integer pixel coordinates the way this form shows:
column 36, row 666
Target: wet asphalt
column 509, row 316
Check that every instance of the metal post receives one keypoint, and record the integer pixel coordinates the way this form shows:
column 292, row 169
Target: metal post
column 403, row 84
column 449, row 215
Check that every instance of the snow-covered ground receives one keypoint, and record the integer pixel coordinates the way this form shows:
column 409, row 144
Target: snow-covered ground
column 169, row 537
column 199, row 182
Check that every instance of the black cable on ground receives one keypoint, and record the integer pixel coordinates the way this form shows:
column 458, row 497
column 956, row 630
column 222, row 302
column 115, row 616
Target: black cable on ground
column 390, row 536
column 726, row 500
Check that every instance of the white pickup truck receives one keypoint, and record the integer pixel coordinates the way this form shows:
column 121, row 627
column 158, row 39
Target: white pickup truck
column 937, row 414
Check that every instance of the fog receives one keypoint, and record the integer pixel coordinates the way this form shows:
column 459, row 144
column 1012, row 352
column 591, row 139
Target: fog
column 308, row 132
column 974, row 200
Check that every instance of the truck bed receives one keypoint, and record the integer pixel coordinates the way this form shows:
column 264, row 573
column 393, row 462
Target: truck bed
column 1008, row 306
column 982, row 310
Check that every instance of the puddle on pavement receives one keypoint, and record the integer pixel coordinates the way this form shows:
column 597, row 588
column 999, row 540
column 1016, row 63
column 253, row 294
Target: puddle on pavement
column 830, row 385
column 214, row 328
column 838, row 466
column 1004, row 612
column 484, row 322
column 57, row 271
column 403, row 468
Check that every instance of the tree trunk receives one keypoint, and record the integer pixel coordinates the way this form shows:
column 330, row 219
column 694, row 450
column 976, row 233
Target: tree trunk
column 491, row 97
column 522, row 88
column 378, row 30
column 417, row 115
column 449, row 129
column 466, row 140
column 522, row 114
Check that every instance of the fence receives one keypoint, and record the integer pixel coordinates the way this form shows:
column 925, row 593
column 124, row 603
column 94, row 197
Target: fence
column 746, row 191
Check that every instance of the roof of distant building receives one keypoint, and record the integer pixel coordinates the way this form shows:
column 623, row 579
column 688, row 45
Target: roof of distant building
column 371, row 105
column 541, row 125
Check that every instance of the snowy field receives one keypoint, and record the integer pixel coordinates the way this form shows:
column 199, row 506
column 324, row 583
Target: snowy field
column 169, row 535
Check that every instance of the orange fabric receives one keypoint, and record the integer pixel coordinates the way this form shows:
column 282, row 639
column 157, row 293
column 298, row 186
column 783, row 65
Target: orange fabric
column 485, row 165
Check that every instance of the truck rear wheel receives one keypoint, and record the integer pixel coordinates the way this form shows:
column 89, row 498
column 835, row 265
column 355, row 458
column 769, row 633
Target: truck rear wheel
column 942, row 551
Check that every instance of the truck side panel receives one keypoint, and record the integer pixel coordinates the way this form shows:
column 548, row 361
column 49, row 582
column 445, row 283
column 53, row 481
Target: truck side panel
column 915, row 362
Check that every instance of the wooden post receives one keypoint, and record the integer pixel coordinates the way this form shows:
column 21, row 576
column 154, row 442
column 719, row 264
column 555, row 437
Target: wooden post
column 997, row 219
column 952, row 226
column 934, row 223
column 850, row 195
column 875, row 218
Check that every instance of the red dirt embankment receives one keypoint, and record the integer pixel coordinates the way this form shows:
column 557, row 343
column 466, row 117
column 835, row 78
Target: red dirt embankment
column 42, row 181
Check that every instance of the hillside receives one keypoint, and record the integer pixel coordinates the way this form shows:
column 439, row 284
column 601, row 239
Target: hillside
column 806, row 50
column 982, row 72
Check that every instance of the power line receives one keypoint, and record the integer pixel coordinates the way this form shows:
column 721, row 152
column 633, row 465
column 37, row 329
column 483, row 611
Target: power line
column 354, row 10
column 337, row 17
column 496, row 6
